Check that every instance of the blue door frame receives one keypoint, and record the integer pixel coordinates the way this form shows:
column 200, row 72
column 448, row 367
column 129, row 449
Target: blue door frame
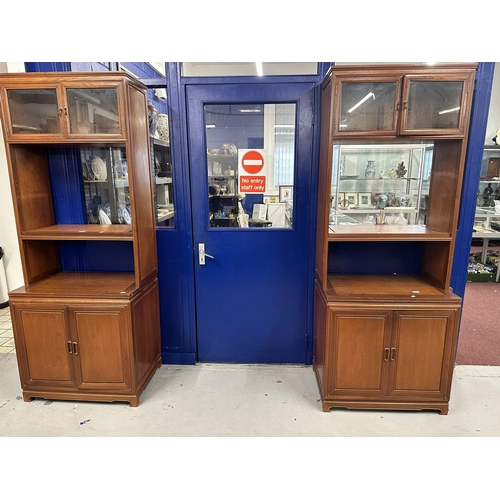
column 175, row 245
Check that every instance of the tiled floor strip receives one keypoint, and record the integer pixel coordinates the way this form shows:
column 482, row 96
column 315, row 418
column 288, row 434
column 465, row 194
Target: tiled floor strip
column 6, row 332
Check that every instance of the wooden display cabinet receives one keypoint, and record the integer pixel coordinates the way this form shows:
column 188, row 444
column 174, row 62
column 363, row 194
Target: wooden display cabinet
column 86, row 323
column 386, row 320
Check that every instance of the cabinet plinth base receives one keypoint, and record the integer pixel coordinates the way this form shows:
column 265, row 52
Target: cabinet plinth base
column 133, row 399
column 442, row 408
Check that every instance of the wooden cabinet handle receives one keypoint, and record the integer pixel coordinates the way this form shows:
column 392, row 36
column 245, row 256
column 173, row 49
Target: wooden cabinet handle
column 386, row 354
column 75, row 348
column 69, row 347
column 393, row 353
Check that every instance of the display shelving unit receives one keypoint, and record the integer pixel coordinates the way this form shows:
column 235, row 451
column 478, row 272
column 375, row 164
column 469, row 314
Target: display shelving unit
column 86, row 323
column 385, row 320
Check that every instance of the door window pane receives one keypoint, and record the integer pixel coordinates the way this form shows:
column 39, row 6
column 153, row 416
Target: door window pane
column 93, row 111
column 367, row 106
column 250, row 164
column 434, row 105
column 34, row 111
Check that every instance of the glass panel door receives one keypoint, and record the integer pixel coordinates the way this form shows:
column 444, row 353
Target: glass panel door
column 93, row 111
column 34, row 111
column 433, row 105
column 366, row 106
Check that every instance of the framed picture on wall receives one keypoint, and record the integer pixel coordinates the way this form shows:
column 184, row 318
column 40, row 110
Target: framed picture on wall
column 286, row 193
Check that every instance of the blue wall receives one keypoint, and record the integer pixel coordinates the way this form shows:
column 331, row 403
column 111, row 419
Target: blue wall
column 473, row 162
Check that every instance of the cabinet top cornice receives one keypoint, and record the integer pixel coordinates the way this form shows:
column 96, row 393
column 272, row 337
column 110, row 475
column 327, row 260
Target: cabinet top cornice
column 396, row 69
column 68, row 77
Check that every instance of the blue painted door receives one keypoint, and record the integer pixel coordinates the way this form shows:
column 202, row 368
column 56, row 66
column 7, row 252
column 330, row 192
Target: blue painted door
column 252, row 289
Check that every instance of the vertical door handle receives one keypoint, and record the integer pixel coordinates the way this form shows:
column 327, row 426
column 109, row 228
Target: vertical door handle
column 69, row 347
column 386, row 354
column 393, row 353
column 202, row 254
column 75, row 348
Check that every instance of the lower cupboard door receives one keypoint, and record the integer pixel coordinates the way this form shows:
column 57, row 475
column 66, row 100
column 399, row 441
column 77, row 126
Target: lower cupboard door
column 421, row 361
column 43, row 346
column 358, row 353
column 101, row 351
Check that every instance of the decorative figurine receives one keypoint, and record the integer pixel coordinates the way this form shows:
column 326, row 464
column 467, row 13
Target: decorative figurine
column 401, row 170
column 487, row 196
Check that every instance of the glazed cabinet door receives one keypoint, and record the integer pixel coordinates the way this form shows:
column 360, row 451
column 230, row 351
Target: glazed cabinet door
column 48, row 113
column 101, row 347
column 435, row 104
column 43, row 345
column 367, row 105
column 95, row 110
column 33, row 112
column 357, row 353
column 421, row 358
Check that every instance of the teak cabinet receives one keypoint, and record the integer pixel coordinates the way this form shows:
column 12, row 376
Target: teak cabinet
column 86, row 323
column 385, row 319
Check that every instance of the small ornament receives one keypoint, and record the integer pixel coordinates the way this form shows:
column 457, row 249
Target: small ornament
column 401, row 172
column 370, row 170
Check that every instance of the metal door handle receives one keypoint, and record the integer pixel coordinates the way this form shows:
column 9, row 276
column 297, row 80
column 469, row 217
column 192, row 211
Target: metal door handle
column 386, row 354
column 202, row 254
column 393, row 353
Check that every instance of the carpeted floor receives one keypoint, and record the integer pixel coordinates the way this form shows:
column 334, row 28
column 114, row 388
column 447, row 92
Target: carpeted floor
column 479, row 337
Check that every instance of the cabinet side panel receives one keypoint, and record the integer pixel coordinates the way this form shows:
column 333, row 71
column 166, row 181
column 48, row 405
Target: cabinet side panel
column 31, row 180
column 436, row 264
column 146, row 331
column 44, row 344
column 41, row 259
column 444, row 186
column 325, row 158
column 140, row 171
column 319, row 335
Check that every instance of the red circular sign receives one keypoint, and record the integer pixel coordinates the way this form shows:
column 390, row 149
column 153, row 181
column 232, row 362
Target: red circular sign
column 252, row 162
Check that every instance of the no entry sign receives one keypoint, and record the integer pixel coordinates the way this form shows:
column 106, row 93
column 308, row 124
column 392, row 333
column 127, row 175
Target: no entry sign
column 252, row 161
column 252, row 171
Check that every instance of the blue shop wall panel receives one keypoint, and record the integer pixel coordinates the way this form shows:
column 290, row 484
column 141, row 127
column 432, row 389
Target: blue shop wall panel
column 178, row 344
column 97, row 256
column 472, row 171
column 373, row 257
column 46, row 67
column 144, row 71
column 65, row 171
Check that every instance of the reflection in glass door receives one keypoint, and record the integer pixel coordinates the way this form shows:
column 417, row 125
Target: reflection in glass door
column 250, row 164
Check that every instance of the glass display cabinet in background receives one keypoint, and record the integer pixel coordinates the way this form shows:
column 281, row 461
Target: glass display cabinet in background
column 488, row 194
column 370, row 181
